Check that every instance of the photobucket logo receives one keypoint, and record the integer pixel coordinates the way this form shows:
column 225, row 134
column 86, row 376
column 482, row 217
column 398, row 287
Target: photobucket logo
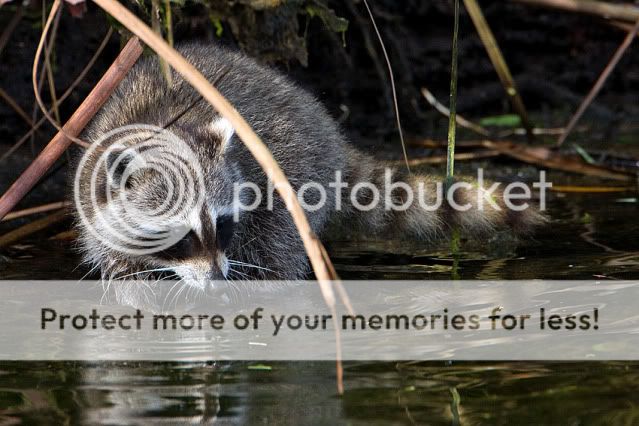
column 139, row 189
column 396, row 195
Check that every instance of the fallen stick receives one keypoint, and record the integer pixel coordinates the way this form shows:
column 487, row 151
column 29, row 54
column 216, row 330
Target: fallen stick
column 80, row 118
column 441, row 159
column 622, row 12
column 31, row 228
column 545, row 157
column 35, row 210
column 541, row 156
column 591, row 189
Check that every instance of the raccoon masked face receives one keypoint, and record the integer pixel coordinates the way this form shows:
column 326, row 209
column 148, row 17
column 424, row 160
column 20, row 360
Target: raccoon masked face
column 166, row 210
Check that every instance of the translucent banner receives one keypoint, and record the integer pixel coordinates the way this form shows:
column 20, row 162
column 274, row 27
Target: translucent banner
column 269, row 321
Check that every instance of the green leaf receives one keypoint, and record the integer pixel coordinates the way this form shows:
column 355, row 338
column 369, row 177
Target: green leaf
column 328, row 17
column 260, row 367
column 506, row 120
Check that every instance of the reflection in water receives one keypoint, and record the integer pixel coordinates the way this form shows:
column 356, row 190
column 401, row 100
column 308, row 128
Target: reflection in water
column 586, row 240
column 295, row 393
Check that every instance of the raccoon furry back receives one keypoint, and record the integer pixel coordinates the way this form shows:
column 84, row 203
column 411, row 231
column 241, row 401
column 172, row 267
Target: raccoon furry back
column 306, row 142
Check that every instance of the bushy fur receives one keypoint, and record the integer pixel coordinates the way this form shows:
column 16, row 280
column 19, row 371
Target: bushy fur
column 303, row 138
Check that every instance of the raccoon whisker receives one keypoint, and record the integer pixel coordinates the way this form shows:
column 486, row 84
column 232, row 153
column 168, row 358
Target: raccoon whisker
column 244, row 245
column 96, row 266
column 177, row 294
column 148, row 271
column 241, row 274
column 248, row 265
column 234, row 289
column 171, row 291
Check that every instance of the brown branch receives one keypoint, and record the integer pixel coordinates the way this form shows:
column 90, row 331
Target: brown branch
column 80, row 118
column 599, row 83
column 622, row 12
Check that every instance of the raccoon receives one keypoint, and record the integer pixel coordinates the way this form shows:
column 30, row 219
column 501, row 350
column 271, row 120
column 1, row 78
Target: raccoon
column 219, row 241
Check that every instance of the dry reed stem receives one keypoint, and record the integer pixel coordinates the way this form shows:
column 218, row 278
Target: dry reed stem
column 622, row 12
column 48, row 69
column 80, row 118
column 35, row 210
column 48, row 47
column 497, row 58
column 31, row 228
column 596, row 88
column 65, row 95
column 34, row 76
column 392, row 81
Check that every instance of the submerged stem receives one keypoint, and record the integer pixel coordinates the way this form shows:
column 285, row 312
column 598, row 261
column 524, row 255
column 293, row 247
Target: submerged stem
column 450, row 165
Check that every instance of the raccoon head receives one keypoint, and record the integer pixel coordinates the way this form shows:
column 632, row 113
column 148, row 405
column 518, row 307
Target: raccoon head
column 155, row 203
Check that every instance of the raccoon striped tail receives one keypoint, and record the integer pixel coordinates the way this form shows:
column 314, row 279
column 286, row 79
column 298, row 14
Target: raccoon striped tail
column 429, row 213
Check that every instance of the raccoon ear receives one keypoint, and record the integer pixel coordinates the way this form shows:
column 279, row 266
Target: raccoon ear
column 118, row 162
column 224, row 130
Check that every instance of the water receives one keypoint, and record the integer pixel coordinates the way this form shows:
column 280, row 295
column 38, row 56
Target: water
column 590, row 237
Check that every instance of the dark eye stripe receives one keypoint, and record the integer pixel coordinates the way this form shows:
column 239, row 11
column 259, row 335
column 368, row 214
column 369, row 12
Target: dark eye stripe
column 224, row 228
column 183, row 249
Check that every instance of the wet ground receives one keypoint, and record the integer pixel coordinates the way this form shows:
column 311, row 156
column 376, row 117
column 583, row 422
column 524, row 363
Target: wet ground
column 590, row 237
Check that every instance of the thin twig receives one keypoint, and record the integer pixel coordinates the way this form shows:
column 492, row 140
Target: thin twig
column 35, row 210
column 34, row 76
column 497, row 58
column 599, row 83
column 65, row 95
column 17, row 108
column 392, row 81
column 8, row 31
column 622, row 12
column 80, row 118
column 430, row 98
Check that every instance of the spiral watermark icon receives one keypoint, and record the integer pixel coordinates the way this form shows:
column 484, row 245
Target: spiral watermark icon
column 139, row 189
